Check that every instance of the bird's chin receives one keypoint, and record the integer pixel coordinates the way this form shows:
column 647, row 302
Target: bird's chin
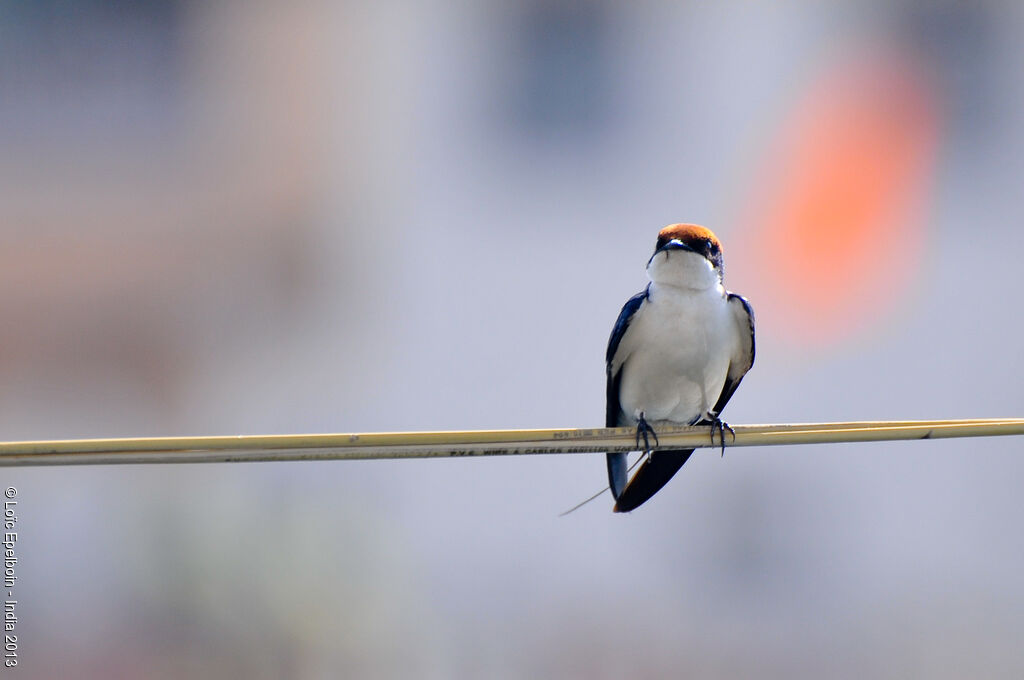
column 682, row 269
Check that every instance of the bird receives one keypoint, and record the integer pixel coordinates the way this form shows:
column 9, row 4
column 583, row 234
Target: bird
column 676, row 355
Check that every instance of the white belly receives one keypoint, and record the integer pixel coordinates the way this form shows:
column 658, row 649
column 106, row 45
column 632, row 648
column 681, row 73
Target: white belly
column 677, row 351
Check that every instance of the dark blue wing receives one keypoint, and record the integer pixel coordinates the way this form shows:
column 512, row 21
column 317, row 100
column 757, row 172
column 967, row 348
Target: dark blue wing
column 617, row 463
column 744, row 359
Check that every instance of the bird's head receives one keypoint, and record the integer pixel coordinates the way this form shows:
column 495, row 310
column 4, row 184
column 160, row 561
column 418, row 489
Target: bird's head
column 687, row 256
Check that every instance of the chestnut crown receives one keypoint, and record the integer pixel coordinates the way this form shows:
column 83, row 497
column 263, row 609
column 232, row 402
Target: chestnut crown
column 700, row 240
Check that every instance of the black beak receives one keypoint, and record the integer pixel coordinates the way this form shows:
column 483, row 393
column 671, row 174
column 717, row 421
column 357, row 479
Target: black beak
column 675, row 244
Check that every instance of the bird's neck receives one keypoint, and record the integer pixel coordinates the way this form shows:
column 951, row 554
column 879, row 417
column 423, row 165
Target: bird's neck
column 689, row 281
column 684, row 271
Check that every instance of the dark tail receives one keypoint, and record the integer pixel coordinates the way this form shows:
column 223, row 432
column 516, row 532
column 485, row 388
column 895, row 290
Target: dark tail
column 652, row 475
column 617, row 463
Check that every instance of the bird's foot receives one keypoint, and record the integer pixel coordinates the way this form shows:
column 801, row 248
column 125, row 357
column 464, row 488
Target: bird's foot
column 644, row 431
column 719, row 425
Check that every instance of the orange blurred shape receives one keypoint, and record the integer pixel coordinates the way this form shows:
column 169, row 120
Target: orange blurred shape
column 836, row 226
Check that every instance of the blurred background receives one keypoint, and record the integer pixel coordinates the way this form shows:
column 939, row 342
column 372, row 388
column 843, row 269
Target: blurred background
column 266, row 217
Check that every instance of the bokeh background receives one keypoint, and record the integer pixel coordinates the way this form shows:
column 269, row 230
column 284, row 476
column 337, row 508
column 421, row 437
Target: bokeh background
column 266, row 217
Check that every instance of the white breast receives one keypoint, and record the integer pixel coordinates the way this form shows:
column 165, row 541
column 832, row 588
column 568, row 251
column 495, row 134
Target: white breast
column 675, row 355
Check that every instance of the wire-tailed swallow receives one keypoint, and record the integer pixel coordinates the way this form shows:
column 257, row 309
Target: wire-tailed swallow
column 677, row 353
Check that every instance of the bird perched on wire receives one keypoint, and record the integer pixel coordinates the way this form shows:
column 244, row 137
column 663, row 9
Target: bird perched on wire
column 678, row 351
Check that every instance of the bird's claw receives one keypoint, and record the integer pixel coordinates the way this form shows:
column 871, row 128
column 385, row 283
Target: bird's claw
column 644, row 431
column 721, row 426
